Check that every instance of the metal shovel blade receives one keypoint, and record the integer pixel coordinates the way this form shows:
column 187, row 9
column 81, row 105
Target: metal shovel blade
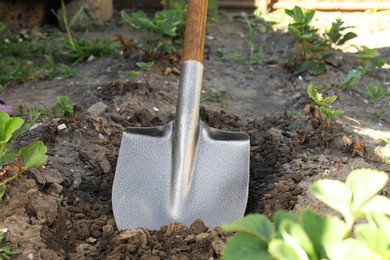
column 182, row 171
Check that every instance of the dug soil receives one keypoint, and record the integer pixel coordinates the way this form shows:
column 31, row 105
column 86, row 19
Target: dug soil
column 64, row 210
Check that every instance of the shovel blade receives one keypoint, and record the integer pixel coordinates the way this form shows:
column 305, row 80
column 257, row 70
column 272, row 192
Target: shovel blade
column 142, row 192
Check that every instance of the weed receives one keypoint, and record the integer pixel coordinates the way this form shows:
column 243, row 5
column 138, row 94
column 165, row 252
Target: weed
column 164, row 29
column 380, row 99
column 212, row 96
column 12, row 164
column 6, row 251
column 144, row 65
column 309, row 235
column 63, row 108
column 255, row 53
column 81, row 49
column 314, row 50
column 323, row 105
column 28, row 57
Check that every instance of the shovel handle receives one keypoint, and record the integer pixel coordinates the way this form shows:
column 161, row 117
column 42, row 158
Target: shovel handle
column 195, row 30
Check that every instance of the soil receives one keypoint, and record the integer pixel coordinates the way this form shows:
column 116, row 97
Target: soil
column 63, row 210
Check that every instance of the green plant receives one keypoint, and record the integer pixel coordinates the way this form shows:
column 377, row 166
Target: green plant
column 144, row 65
column 12, row 164
column 164, row 30
column 323, row 105
column 314, row 50
column 255, row 53
column 370, row 60
column 380, row 99
column 81, row 49
column 308, row 235
column 6, row 251
column 63, row 108
column 29, row 56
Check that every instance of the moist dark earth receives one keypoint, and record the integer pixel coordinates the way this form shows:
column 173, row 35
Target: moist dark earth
column 63, row 210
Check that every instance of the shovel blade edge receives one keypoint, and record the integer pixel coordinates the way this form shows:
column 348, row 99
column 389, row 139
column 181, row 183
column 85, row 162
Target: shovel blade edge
column 142, row 188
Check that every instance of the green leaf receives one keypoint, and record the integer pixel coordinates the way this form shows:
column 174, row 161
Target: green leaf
column 298, row 14
column 307, row 65
column 135, row 19
column 294, row 32
column 253, row 224
column 348, row 36
column 280, row 250
column 34, row 155
column 334, row 193
column 75, row 17
column 282, row 215
column 378, row 61
column 382, row 222
column 374, row 238
column 378, row 204
column 2, row 191
column 351, row 249
column 328, row 100
column 295, row 236
column 7, row 158
column 322, row 231
column 245, row 247
column 318, row 68
column 8, row 126
column 309, row 14
column 364, row 185
column 133, row 73
column 144, row 65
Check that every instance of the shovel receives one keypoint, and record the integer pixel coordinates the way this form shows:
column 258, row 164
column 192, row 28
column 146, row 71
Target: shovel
column 184, row 170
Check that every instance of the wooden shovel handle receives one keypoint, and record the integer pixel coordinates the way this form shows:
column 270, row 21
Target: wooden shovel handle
column 195, row 30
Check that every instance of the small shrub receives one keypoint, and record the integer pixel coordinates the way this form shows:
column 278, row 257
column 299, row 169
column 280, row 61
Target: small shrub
column 309, row 235
column 380, row 99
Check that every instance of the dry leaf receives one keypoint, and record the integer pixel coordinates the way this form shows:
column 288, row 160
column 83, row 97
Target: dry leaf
column 346, row 140
column 167, row 71
column 307, row 108
column 301, row 136
column 96, row 122
column 358, row 148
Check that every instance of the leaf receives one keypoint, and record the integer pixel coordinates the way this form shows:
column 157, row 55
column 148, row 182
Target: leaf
column 374, row 238
column 294, row 32
column 75, row 17
column 378, row 61
column 382, row 222
column 144, row 65
column 134, row 19
column 364, row 185
column 280, row 250
column 33, row 155
column 298, row 14
column 334, row 193
column 318, row 68
column 306, row 66
column 2, row 191
column 378, row 204
column 253, row 224
column 322, row 231
column 7, row 158
column 245, row 247
column 282, row 215
column 328, row 100
column 294, row 235
column 348, row 36
column 351, row 249
column 133, row 73
column 8, row 126
column 358, row 148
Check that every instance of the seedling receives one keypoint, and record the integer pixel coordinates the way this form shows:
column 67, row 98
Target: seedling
column 371, row 58
column 63, row 108
column 380, row 99
column 255, row 53
column 308, row 235
column 6, row 251
column 323, row 105
column 12, row 164
column 144, row 65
